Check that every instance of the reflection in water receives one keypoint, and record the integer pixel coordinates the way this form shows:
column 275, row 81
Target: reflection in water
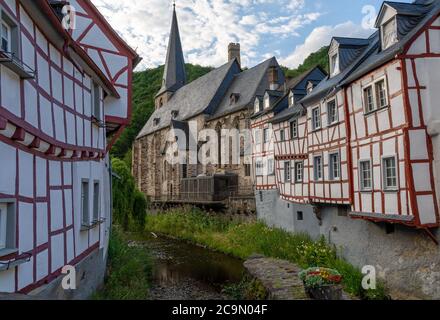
column 178, row 264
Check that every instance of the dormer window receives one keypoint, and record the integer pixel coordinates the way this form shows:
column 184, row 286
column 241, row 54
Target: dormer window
column 257, row 105
column 174, row 114
column 309, row 87
column 233, row 99
column 156, row 121
column 334, row 64
column 389, row 33
column 291, row 99
column 266, row 101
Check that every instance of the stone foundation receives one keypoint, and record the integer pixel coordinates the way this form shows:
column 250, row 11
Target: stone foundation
column 406, row 259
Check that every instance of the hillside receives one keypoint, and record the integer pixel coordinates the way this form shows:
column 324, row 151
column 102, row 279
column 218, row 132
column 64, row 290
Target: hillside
column 147, row 83
column 319, row 57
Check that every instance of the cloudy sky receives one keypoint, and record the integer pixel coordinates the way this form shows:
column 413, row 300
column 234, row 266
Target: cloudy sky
column 287, row 29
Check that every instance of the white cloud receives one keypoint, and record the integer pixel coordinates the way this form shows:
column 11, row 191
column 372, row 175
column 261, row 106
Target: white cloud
column 320, row 37
column 206, row 26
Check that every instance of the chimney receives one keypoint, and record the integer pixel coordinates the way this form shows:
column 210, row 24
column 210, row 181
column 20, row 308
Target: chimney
column 234, row 52
column 273, row 78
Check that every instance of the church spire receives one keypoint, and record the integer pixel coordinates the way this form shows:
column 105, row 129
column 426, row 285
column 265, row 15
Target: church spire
column 174, row 76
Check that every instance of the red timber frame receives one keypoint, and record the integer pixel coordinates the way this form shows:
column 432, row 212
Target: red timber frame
column 408, row 198
column 262, row 152
column 50, row 155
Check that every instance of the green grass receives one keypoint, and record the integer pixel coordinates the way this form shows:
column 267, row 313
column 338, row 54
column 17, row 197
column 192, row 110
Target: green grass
column 242, row 240
column 129, row 271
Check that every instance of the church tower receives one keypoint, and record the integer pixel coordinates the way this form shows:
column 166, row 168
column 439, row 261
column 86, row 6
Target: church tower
column 174, row 76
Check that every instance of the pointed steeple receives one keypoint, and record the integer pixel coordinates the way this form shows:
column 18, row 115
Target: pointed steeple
column 174, row 76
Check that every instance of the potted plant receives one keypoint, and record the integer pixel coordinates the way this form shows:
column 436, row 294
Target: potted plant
column 322, row 283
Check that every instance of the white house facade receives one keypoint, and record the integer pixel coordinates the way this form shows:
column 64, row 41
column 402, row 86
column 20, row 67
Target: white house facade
column 65, row 96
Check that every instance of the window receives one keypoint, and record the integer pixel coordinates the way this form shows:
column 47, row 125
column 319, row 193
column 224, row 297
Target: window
column 291, row 99
column 334, row 64
column 299, row 167
column 259, row 167
column 309, row 87
column 299, row 216
column 247, row 170
column 257, row 105
column 389, row 34
column 257, row 136
column 316, row 119
column 266, row 135
column 365, row 175
column 317, row 167
column 287, row 172
column 96, row 201
column 282, row 135
column 185, row 171
column 85, row 218
column 375, row 96
column 5, row 36
column 3, row 225
column 389, row 173
column 381, row 94
column 96, row 101
column 332, row 112
column 335, row 166
column 266, row 101
column 270, row 167
column 369, row 102
column 294, row 129
column 156, row 121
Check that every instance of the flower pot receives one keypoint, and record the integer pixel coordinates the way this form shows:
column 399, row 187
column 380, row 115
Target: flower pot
column 329, row 292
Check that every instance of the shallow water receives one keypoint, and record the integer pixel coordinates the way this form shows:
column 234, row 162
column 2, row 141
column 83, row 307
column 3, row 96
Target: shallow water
column 184, row 271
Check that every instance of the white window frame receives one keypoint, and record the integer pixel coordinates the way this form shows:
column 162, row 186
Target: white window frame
column 318, row 174
column 266, row 135
column 270, row 166
column 316, row 121
column 257, row 134
column 375, row 103
column 96, row 101
column 361, row 175
column 291, row 99
column 266, row 101
column 332, row 168
column 386, row 187
column 293, row 125
column 259, row 167
column 85, row 202
column 309, row 87
column 334, row 67
column 299, row 172
column 287, row 171
column 96, row 201
column 9, row 37
column 377, row 94
column 282, row 135
column 386, row 45
column 336, row 114
column 3, row 225
column 257, row 105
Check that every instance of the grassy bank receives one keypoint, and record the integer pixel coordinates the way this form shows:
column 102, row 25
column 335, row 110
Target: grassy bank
column 244, row 239
column 129, row 270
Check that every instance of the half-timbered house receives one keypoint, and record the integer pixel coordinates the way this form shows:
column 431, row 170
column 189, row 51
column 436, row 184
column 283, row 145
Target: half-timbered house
column 65, row 83
column 364, row 167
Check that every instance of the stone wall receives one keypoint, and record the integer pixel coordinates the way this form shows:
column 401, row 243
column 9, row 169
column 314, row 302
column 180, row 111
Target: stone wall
column 406, row 259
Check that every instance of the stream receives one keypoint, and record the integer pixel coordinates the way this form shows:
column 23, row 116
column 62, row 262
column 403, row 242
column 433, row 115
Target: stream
column 182, row 271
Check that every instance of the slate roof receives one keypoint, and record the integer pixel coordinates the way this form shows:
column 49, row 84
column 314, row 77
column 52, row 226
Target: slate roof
column 174, row 76
column 329, row 84
column 248, row 84
column 291, row 85
column 288, row 114
column 408, row 26
column 192, row 99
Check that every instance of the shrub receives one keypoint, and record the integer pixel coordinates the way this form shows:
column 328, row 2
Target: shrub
column 129, row 204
